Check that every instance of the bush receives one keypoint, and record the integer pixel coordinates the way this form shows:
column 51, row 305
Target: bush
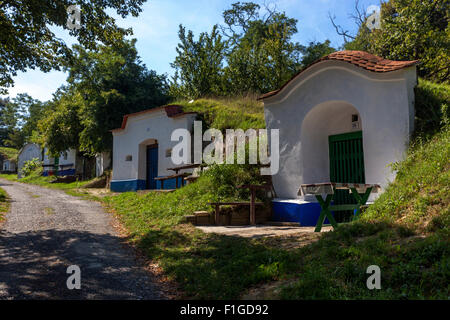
column 30, row 167
column 432, row 107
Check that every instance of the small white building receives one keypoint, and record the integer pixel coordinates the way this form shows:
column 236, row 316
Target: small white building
column 102, row 163
column 344, row 118
column 66, row 163
column 9, row 166
column 142, row 147
column 28, row 152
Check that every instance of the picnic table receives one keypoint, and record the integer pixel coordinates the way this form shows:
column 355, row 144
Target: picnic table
column 360, row 192
column 185, row 167
column 253, row 188
column 252, row 203
column 174, row 176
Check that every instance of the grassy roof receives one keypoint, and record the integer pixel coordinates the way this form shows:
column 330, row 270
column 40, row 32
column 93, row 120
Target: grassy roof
column 237, row 113
column 9, row 153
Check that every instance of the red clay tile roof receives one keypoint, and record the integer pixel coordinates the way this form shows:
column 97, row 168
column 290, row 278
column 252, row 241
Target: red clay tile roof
column 360, row 59
column 172, row 111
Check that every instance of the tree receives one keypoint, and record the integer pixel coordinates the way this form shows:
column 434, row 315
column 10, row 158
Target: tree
column 103, row 86
column 11, row 114
column 262, row 56
column 249, row 54
column 409, row 30
column 28, row 42
column 60, row 126
column 198, row 64
column 315, row 51
column 416, row 29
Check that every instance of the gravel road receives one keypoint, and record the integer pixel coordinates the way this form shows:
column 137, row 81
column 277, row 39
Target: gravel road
column 46, row 231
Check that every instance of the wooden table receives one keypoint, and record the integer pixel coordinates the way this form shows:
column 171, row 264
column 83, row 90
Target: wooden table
column 185, row 167
column 253, row 188
column 175, row 176
column 217, row 205
column 317, row 189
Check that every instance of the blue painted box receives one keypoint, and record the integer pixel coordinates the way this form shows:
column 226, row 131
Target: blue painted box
column 294, row 210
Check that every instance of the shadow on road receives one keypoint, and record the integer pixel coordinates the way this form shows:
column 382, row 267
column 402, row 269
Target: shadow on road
column 33, row 266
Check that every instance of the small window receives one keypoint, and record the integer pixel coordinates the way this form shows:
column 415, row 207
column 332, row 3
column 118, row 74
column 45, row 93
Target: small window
column 168, row 153
column 354, row 117
column 65, row 155
column 128, row 158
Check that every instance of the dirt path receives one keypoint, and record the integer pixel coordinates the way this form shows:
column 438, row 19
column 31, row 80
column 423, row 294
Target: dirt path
column 46, row 231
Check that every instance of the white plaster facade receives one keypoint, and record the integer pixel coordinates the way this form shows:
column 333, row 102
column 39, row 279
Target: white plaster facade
column 102, row 162
column 9, row 166
column 28, row 152
column 320, row 102
column 65, row 158
column 143, row 129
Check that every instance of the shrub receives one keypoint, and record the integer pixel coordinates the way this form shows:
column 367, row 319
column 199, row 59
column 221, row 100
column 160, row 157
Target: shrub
column 31, row 166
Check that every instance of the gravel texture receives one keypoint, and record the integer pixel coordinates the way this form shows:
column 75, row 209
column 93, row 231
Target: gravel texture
column 46, row 231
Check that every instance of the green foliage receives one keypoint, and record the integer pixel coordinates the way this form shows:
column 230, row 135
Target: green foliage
column 28, row 42
column 10, row 112
column 421, row 190
column 4, row 204
column 335, row 266
column 167, row 209
column 258, row 55
column 104, row 85
column 30, row 167
column 315, row 51
column 198, row 64
column 417, row 29
column 245, row 113
column 432, row 103
column 9, row 153
column 411, row 30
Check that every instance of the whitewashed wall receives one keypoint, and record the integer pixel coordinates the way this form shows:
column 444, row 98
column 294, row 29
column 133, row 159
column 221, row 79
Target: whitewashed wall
column 28, row 152
column 384, row 101
column 102, row 162
column 71, row 157
column 139, row 132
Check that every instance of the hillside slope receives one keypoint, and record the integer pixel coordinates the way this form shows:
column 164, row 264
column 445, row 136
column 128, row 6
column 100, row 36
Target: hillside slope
column 244, row 113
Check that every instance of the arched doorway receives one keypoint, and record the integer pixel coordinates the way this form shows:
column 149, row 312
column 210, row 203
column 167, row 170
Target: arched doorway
column 332, row 148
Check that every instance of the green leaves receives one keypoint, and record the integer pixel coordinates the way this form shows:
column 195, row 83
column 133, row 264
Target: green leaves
column 249, row 54
column 28, row 42
column 104, row 85
column 410, row 30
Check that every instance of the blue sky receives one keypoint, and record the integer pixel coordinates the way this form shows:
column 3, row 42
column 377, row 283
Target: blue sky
column 156, row 31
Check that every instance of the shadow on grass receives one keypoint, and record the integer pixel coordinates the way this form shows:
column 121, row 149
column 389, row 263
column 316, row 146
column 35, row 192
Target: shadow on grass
column 211, row 266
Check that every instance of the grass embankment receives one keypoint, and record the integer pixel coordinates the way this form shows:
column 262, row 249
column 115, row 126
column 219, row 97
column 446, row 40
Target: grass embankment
column 405, row 233
column 221, row 114
column 37, row 179
column 4, row 204
column 9, row 153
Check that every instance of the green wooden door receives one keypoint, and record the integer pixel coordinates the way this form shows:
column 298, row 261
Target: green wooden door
column 347, row 166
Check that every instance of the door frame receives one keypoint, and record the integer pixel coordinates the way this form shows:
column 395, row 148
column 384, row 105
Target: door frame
column 150, row 146
column 343, row 196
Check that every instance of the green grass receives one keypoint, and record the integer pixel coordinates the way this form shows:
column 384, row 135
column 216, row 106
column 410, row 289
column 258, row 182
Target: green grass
column 244, row 113
column 9, row 153
column 432, row 105
column 4, row 204
column 405, row 233
column 421, row 192
column 37, row 179
column 9, row 176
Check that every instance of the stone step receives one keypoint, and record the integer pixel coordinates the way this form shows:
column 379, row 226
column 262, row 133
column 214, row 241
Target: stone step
column 282, row 224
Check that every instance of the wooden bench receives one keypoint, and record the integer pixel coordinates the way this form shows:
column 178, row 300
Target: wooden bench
column 185, row 167
column 174, row 176
column 217, row 205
